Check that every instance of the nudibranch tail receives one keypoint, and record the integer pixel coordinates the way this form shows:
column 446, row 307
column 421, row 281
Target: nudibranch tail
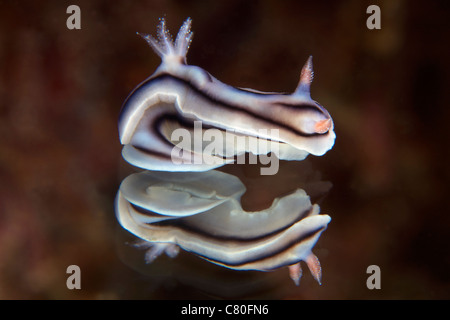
column 165, row 47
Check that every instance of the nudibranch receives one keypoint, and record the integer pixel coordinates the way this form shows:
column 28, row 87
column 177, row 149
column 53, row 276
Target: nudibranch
column 201, row 212
column 178, row 95
column 182, row 203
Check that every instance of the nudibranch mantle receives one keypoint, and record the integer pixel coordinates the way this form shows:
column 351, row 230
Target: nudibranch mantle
column 189, row 93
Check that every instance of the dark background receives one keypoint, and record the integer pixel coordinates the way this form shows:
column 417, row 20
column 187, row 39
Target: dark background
column 60, row 162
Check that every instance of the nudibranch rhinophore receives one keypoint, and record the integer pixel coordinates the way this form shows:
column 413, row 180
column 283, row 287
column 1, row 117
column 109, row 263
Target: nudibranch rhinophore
column 166, row 124
column 201, row 212
column 178, row 95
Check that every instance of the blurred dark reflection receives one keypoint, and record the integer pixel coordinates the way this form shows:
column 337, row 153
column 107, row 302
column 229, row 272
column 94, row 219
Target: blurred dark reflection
column 60, row 164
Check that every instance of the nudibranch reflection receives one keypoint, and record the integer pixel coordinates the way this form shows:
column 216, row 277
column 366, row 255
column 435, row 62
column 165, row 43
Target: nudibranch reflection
column 183, row 203
column 194, row 212
column 177, row 94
